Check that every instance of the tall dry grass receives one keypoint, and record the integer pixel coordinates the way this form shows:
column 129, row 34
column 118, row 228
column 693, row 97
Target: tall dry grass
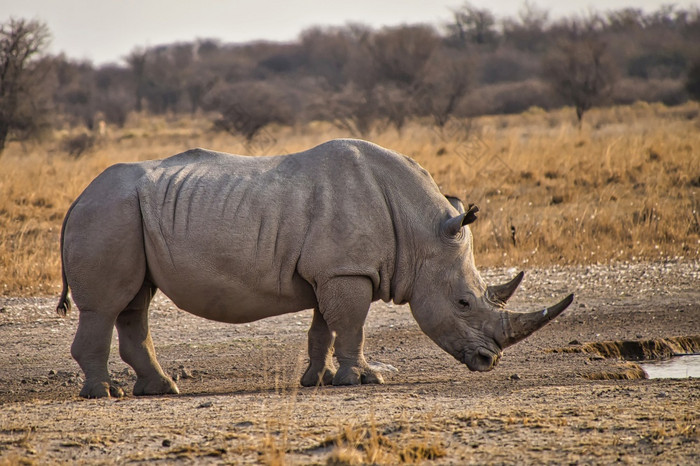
column 625, row 186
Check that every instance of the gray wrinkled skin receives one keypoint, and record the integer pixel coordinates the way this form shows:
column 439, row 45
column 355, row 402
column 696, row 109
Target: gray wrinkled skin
column 236, row 239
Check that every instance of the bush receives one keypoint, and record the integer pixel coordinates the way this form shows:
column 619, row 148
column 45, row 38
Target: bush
column 668, row 91
column 79, row 144
column 509, row 98
column 247, row 107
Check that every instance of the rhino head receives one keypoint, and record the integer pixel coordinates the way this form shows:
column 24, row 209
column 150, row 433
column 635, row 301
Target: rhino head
column 455, row 308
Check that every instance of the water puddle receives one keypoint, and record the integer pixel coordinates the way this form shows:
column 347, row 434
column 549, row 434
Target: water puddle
column 678, row 367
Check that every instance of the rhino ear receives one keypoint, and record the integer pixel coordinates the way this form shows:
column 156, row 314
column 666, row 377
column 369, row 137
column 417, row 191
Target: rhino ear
column 456, row 203
column 453, row 225
column 471, row 214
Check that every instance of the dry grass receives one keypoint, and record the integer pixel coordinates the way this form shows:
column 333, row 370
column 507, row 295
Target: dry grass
column 625, row 371
column 397, row 444
column 624, row 187
column 644, row 350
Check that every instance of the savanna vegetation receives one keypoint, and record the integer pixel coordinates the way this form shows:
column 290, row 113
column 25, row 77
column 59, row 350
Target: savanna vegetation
column 359, row 78
column 625, row 186
column 492, row 107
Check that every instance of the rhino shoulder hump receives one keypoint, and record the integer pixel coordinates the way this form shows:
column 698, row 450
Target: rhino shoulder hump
column 197, row 155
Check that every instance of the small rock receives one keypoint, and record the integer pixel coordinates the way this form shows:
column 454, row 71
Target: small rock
column 70, row 444
column 243, row 424
column 662, row 395
column 52, row 372
column 514, row 377
column 206, row 404
column 574, row 342
column 382, row 367
column 167, row 443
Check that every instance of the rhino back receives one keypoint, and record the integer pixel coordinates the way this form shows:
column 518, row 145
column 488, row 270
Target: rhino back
column 238, row 238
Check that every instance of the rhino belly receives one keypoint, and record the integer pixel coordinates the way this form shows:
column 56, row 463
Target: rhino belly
column 224, row 286
column 231, row 300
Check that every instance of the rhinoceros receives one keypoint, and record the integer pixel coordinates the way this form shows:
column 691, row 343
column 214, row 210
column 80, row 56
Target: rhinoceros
column 236, row 239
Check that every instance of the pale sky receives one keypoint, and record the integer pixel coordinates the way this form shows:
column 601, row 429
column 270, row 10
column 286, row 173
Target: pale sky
column 105, row 31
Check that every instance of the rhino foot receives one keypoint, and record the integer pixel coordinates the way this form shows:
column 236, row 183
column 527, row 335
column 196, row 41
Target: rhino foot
column 350, row 375
column 155, row 386
column 101, row 390
column 314, row 376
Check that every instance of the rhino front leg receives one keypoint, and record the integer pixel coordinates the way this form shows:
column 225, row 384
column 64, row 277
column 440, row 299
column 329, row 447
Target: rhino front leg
column 344, row 303
column 136, row 346
column 91, row 349
column 321, row 369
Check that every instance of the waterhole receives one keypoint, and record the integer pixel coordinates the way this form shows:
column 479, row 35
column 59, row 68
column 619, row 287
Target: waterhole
column 678, row 367
column 668, row 358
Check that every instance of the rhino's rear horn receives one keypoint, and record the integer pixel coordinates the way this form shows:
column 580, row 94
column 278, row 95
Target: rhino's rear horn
column 520, row 325
column 499, row 294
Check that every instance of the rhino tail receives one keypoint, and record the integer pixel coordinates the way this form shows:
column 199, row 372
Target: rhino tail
column 63, row 302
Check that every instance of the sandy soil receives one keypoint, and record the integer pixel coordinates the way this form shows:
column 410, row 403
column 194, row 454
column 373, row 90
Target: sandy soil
column 240, row 401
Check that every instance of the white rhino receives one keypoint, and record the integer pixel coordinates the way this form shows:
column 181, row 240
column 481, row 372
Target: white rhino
column 236, row 239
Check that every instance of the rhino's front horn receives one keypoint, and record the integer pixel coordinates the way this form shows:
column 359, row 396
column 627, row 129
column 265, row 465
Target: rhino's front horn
column 519, row 325
column 499, row 294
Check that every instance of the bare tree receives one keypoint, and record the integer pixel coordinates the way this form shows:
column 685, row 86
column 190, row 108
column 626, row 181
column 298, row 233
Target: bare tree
column 529, row 31
column 448, row 77
column 581, row 72
column 472, row 25
column 400, row 54
column 354, row 109
column 248, row 107
column 137, row 64
column 397, row 59
column 22, row 75
column 326, row 52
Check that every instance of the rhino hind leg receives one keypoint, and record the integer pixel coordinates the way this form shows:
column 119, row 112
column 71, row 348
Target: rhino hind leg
column 321, row 368
column 105, row 266
column 344, row 303
column 136, row 346
column 91, row 349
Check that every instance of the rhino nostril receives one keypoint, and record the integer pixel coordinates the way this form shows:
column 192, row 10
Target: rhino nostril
column 485, row 359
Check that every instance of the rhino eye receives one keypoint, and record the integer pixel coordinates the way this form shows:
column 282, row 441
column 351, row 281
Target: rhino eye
column 464, row 304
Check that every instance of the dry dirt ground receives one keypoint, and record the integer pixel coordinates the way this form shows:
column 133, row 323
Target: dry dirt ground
column 240, row 401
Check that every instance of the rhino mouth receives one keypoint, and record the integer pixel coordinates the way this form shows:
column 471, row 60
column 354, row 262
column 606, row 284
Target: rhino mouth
column 481, row 360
